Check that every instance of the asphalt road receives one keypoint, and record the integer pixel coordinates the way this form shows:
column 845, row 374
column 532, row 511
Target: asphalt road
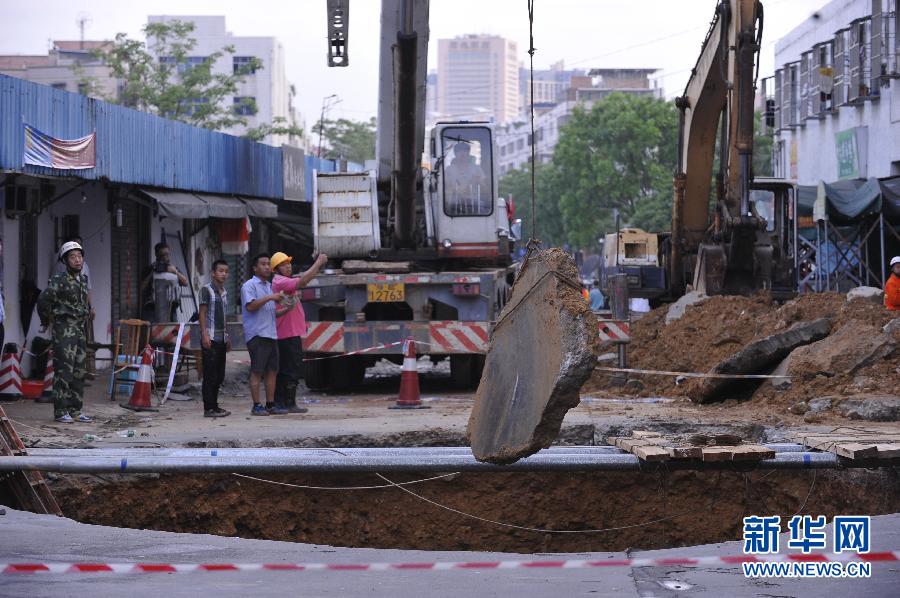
column 25, row 537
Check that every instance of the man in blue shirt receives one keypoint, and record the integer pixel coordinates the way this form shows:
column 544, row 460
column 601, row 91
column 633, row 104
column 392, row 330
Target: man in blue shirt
column 595, row 296
column 258, row 308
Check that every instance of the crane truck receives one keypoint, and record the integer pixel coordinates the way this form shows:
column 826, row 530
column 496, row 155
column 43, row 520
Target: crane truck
column 742, row 239
column 417, row 252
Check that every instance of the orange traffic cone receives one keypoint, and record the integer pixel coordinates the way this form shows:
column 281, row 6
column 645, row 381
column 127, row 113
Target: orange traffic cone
column 409, row 379
column 10, row 374
column 47, row 393
column 140, row 396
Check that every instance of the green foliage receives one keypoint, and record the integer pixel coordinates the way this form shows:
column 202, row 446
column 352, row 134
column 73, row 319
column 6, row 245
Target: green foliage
column 349, row 139
column 178, row 86
column 517, row 184
column 620, row 155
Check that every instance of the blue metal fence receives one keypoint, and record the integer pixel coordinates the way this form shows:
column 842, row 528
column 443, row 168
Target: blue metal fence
column 135, row 147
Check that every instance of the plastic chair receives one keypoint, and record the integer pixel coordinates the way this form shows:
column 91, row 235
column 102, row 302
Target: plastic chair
column 131, row 338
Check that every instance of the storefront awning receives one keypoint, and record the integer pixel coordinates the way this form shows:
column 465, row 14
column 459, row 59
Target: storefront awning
column 260, row 208
column 178, row 204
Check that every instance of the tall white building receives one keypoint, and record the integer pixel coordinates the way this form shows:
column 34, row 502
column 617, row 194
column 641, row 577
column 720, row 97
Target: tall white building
column 268, row 86
column 837, row 94
column 478, row 77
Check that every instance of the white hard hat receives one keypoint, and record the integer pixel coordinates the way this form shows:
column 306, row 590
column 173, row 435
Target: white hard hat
column 895, row 260
column 69, row 246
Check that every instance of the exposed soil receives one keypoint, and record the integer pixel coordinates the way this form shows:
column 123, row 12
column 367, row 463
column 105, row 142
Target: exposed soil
column 720, row 326
column 687, row 507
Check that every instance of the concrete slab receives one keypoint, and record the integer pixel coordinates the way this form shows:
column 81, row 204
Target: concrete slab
column 542, row 352
column 41, row 538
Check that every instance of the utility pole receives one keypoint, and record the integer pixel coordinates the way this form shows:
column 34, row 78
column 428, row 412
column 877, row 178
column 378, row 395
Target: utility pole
column 326, row 105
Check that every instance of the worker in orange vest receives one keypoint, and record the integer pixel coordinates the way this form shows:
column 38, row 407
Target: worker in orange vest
column 892, row 286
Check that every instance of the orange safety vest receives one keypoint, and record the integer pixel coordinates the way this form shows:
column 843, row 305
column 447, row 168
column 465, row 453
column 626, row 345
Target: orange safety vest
column 892, row 293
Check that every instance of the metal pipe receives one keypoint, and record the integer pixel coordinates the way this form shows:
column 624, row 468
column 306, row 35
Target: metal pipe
column 371, row 463
column 337, row 452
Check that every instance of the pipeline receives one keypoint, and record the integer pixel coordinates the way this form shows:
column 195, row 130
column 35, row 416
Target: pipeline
column 373, row 462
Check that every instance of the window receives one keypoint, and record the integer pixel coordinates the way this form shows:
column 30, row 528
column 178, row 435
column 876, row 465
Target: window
column 194, row 106
column 243, row 64
column 83, row 88
column 468, row 171
column 59, row 86
column 244, row 105
column 189, row 63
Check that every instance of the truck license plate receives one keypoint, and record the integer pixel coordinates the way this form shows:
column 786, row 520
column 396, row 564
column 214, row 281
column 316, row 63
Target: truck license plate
column 386, row 292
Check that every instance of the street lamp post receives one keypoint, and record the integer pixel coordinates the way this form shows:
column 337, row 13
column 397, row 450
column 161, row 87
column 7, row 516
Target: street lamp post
column 326, row 105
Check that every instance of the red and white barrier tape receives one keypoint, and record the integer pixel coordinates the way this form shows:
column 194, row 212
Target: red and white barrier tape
column 357, row 352
column 702, row 561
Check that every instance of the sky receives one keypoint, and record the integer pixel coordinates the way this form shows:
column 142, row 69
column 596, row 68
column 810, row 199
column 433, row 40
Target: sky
column 662, row 34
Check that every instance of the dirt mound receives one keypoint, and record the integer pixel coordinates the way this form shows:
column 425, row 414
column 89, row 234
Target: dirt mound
column 719, row 327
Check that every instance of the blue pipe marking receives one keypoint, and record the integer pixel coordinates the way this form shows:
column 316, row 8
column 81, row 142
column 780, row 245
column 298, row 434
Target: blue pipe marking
column 807, row 459
column 214, row 453
column 124, row 464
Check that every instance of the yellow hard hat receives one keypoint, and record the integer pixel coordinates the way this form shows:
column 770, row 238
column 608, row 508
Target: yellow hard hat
column 279, row 258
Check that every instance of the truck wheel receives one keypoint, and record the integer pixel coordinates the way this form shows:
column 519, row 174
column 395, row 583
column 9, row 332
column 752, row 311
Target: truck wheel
column 464, row 370
column 317, row 374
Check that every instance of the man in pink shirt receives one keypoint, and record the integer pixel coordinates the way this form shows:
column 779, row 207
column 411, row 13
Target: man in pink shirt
column 290, row 323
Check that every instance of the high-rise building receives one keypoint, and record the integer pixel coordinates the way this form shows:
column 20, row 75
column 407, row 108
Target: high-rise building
column 268, row 86
column 478, row 77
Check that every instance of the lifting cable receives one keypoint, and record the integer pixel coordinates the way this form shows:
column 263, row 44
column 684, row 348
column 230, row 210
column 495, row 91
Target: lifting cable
column 531, row 51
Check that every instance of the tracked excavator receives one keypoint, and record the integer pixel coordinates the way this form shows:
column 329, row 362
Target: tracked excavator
column 732, row 233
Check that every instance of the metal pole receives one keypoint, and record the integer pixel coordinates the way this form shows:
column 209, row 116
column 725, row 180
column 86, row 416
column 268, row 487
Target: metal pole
column 368, row 464
column 881, row 238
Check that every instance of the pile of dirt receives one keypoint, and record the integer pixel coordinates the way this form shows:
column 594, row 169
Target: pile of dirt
column 720, row 326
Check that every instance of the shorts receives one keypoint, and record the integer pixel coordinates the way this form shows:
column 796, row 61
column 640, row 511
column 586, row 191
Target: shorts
column 263, row 354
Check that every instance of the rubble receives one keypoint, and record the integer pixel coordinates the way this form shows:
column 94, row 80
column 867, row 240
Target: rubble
column 757, row 357
column 676, row 310
column 871, row 407
column 858, row 357
column 873, row 294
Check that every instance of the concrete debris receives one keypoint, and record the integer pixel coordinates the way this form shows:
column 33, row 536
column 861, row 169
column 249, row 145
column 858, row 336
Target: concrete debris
column 799, row 408
column 871, row 407
column 676, row 310
column 873, row 294
column 822, row 404
column 757, row 357
column 851, row 347
column 542, row 351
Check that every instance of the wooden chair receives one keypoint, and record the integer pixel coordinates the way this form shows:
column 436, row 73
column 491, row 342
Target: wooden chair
column 131, row 338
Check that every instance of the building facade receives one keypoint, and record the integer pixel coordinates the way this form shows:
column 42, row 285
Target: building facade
column 514, row 139
column 268, row 87
column 836, row 100
column 69, row 66
column 478, row 77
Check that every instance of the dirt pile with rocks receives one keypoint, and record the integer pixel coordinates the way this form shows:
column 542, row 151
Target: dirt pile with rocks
column 857, row 357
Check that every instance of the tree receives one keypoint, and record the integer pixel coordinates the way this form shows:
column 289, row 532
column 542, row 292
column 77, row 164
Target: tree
column 620, row 155
column 517, row 184
column 349, row 139
column 762, row 148
column 163, row 77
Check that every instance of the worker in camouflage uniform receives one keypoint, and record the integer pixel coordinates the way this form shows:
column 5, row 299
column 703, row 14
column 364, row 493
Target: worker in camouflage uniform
column 63, row 305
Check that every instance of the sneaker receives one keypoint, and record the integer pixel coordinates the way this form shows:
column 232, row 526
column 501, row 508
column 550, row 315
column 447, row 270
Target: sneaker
column 258, row 410
column 86, row 419
column 217, row 412
column 296, row 409
column 277, row 410
column 65, row 418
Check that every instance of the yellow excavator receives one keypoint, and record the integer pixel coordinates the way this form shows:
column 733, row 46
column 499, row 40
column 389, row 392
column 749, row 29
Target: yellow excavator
column 731, row 233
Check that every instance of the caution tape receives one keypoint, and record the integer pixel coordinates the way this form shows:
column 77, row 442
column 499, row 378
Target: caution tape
column 702, row 561
column 690, row 374
column 357, row 352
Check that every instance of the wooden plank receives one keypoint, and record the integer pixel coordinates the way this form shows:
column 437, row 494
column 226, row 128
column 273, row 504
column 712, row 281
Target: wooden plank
column 718, row 453
column 889, row 451
column 651, row 453
column 752, row 452
column 855, row 450
column 686, row 452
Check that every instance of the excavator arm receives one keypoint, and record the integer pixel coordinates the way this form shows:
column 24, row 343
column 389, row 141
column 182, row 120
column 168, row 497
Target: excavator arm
column 719, row 250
